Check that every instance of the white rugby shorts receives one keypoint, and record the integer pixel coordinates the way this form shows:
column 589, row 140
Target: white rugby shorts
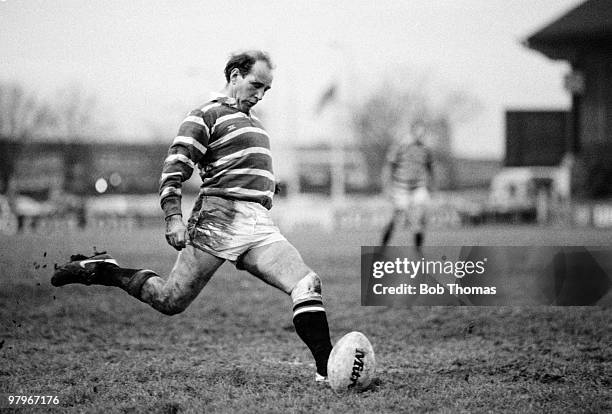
column 404, row 198
column 228, row 228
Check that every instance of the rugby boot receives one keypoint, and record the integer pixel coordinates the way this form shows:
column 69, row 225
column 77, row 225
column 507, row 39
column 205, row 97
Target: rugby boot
column 85, row 270
column 321, row 379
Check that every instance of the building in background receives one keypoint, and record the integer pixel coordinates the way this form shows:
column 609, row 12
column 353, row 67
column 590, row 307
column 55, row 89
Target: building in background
column 583, row 37
column 534, row 181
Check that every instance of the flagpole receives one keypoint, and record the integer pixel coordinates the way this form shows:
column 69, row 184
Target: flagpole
column 338, row 179
column 338, row 182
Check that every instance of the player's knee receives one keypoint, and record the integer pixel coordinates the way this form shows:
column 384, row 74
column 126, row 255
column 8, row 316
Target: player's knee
column 171, row 310
column 170, row 306
column 307, row 287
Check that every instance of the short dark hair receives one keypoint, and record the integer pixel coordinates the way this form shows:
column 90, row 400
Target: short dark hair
column 244, row 61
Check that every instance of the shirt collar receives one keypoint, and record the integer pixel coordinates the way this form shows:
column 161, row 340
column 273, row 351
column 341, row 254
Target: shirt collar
column 224, row 99
column 229, row 101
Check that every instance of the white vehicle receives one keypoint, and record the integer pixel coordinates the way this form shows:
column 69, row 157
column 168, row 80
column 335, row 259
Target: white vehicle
column 8, row 220
column 526, row 189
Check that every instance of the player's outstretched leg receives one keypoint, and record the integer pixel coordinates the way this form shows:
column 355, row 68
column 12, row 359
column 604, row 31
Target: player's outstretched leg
column 418, row 241
column 420, row 221
column 280, row 265
column 192, row 270
column 99, row 269
column 387, row 233
column 398, row 217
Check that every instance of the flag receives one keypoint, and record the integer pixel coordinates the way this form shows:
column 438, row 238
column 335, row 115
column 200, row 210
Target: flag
column 327, row 96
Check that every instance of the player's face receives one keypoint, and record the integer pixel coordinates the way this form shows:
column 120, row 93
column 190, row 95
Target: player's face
column 418, row 131
column 251, row 88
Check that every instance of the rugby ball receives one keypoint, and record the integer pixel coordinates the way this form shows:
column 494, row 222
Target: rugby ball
column 351, row 363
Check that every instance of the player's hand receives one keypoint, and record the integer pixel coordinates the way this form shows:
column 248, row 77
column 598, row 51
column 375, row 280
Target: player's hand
column 176, row 231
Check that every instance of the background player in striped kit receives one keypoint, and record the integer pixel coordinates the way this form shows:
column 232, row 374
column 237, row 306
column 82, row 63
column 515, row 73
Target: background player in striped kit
column 408, row 176
column 230, row 219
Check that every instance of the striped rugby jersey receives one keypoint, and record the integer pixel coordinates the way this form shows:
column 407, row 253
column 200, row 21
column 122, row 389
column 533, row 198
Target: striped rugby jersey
column 411, row 164
column 231, row 150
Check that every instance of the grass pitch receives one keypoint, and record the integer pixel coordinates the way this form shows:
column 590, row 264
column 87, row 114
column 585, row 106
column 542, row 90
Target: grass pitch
column 235, row 349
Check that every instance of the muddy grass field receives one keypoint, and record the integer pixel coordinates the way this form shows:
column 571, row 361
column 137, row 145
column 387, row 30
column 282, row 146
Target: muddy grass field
column 235, row 349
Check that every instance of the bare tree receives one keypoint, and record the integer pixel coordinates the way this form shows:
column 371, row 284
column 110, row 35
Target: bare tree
column 23, row 117
column 22, row 114
column 77, row 114
column 72, row 113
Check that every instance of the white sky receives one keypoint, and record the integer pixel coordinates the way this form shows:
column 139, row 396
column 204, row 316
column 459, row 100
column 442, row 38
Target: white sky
column 150, row 61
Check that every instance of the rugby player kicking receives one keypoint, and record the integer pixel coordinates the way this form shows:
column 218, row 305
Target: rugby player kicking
column 408, row 176
column 230, row 219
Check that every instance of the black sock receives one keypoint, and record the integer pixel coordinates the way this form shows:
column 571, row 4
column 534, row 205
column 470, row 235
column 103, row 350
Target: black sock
column 418, row 240
column 130, row 280
column 313, row 329
column 387, row 234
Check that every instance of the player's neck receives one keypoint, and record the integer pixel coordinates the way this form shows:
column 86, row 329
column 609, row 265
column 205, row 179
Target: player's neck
column 226, row 91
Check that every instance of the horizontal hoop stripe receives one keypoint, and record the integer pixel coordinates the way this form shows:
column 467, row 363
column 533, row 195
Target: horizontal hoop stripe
column 165, row 176
column 239, row 143
column 248, row 192
column 258, row 161
column 196, row 119
column 238, row 154
column 220, row 192
column 307, row 302
column 179, row 158
column 190, row 141
column 226, row 118
column 209, row 106
column 308, row 309
column 170, row 191
column 236, row 133
column 251, row 182
column 246, row 171
column 189, row 129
